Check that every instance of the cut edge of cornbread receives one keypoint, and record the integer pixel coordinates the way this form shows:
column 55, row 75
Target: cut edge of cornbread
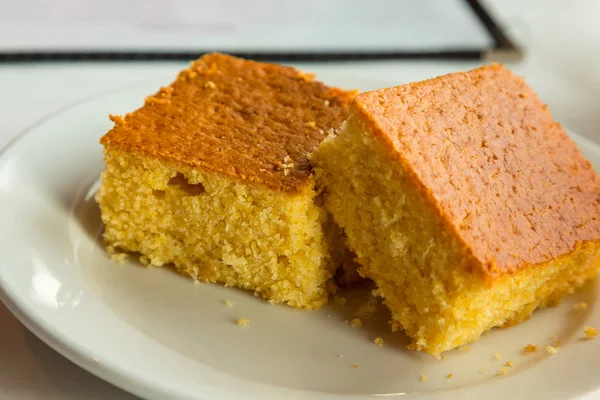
column 436, row 290
column 215, row 229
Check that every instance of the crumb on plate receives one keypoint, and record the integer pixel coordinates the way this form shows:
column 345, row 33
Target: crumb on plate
column 590, row 332
column 356, row 323
column 531, row 348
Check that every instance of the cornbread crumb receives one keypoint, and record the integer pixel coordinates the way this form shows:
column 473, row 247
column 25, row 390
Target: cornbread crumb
column 424, row 377
column 498, row 356
column 326, row 103
column 288, row 164
column 503, row 371
column 449, row 376
column 210, row 85
column 552, row 350
column 590, row 332
column 243, row 321
column 229, row 303
column 311, row 124
column 509, row 364
column 354, row 365
column 340, row 300
column 378, row 341
column 194, row 275
column 119, row 258
column 530, row 348
column 580, row 306
column 465, row 348
column 117, row 119
column 356, row 322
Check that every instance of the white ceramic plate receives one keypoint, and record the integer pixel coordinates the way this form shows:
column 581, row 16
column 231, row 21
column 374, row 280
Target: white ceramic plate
column 157, row 335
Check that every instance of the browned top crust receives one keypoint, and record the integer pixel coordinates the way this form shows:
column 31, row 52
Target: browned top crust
column 247, row 120
column 487, row 154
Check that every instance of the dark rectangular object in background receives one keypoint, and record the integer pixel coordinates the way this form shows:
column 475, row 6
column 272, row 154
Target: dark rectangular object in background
column 331, row 30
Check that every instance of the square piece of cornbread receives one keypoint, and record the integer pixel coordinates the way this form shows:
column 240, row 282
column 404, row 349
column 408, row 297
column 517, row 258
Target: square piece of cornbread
column 212, row 176
column 464, row 201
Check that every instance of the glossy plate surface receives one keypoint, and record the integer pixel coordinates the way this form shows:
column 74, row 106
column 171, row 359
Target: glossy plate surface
column 158, row 335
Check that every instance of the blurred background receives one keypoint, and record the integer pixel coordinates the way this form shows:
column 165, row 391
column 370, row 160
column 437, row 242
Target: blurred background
column 56, row 52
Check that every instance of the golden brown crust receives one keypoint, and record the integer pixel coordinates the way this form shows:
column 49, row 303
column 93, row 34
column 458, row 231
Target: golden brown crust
column 488, row 156
column 247, row 120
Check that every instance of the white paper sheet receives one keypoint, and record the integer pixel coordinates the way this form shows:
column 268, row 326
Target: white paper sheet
column 239, row 25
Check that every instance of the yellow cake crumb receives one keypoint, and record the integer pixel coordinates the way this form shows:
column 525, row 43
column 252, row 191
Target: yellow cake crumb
column 340, row 300
column 354, row 365
column 288, row 165
column 531, row 348
column 449, row 376
column 590, row 332
column 210, row 85
column 229, row 303
column 424, row 377
column 503, row 371
column 498, row 356
column 552, row 350
column 243, row 321
column 356, row 322
column 119, row 258
column 509, row 364
column 580, row 306
column 378, row 341
column 482, row 371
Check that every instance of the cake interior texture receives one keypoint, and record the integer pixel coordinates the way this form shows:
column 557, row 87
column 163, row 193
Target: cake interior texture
column 206, row 178
column 218, row 230
column 443, row 217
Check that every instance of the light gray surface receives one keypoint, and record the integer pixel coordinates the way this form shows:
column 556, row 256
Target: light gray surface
column 242, row 25
column 563, row 41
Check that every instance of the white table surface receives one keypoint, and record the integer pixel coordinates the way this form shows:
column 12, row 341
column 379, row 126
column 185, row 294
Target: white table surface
column 562, row 38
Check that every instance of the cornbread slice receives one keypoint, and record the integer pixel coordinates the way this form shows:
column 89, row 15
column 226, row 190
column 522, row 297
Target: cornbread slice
column 464, row 201
column 211, row 174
